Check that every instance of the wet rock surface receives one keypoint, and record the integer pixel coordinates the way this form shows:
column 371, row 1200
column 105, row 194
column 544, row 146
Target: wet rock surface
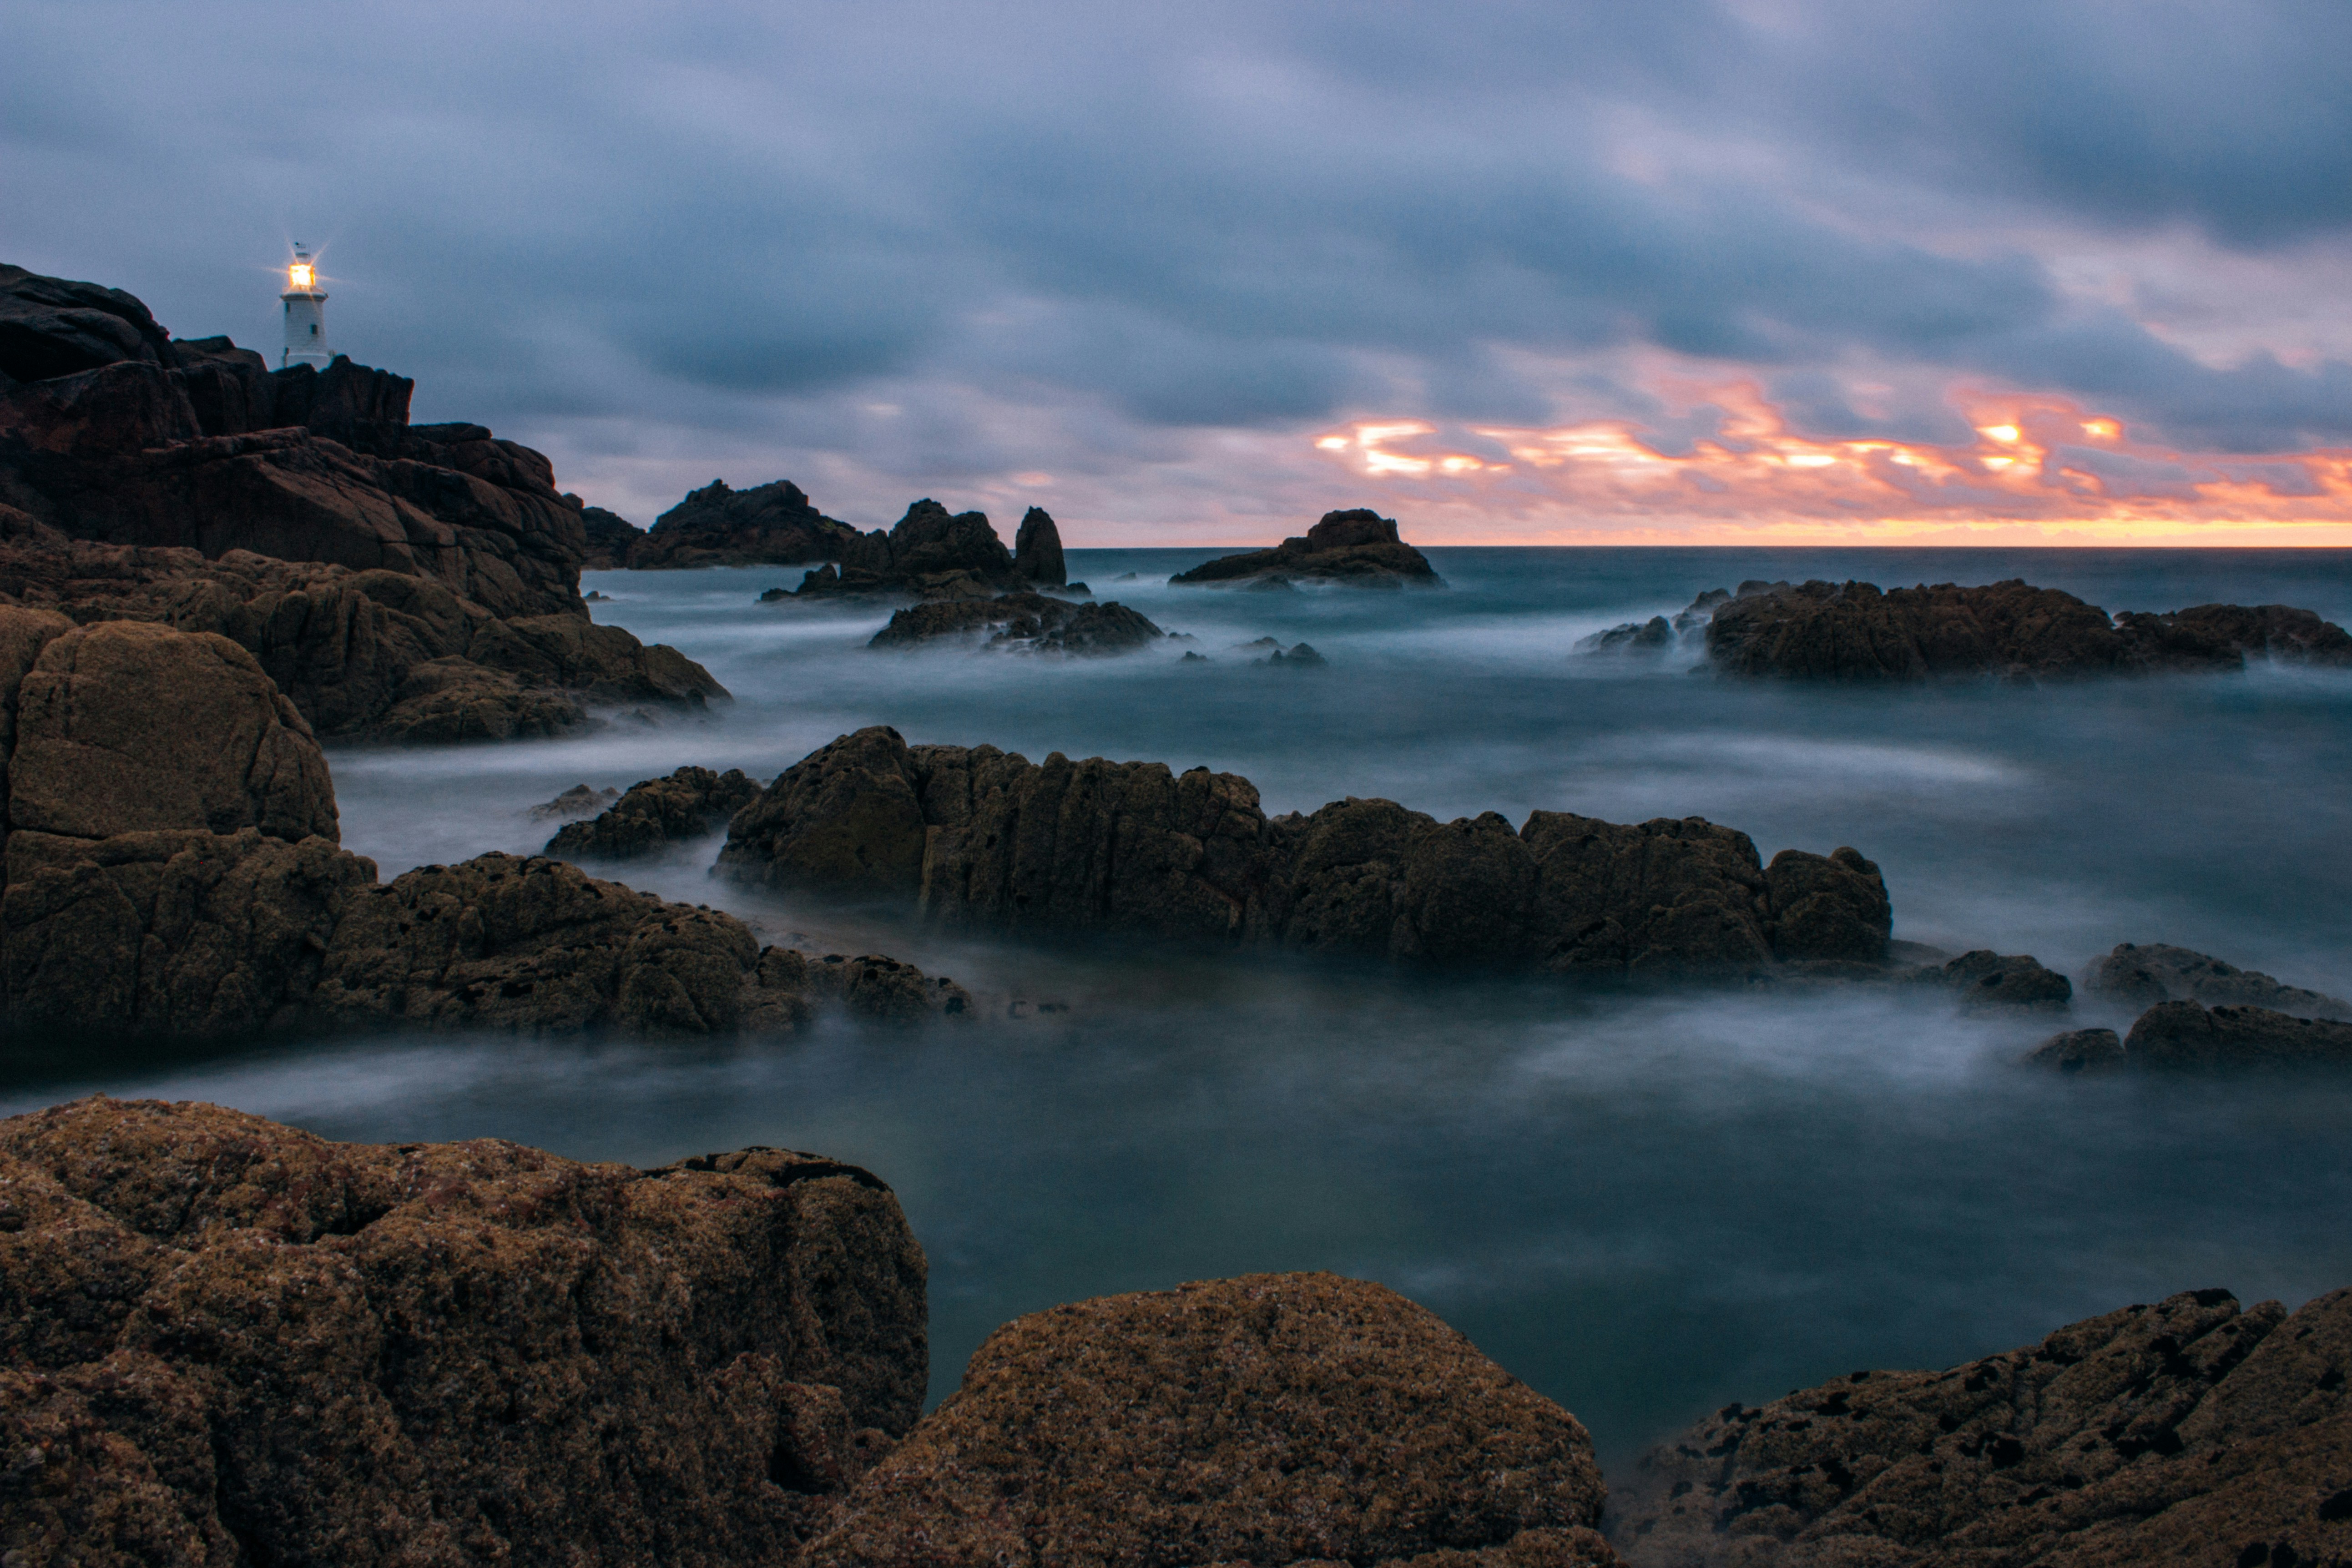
column 226, row 1341
column 1275, row 1418
column 1358, row 547
column 1856, row 631
column 692, row 802
column 1022, row 622
column 2142, row 974
column 982, row 839
column 2187, row 1431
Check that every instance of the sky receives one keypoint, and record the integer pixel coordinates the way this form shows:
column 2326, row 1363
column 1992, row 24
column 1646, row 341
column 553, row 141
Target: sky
column 1686, row 271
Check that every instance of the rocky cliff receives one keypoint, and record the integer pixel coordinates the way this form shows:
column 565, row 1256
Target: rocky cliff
column 984, row 839
column 1853, row 631
column 412, row 583
column 1359, row 548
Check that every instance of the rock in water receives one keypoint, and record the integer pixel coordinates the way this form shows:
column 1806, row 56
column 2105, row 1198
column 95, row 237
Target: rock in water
column 986, row 840
column 1038, row 549
column 2189, row 1035
column 2188, row 1432
column 1275, row 1418
column 575, row 803
column 2145, row 973
column 1360, row 548
column 692, row 802
column 229, row 1341
column 1987, row 979
column 771, row 524
column 1022, row 622
column 2078, row 1050
column 612, row 540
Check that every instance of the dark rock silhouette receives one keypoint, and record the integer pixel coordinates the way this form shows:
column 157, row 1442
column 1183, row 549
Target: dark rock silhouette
column 230, row 1341
column 575, row 803
column 611, row 538
column 2078, row 1050
column 692, row 802
column 1853, row 631
column 1232, row 1421
column 716, row 526
column 2144, row 973
column 1985, row 978
column 1360, row 548
column 987, row 840
column 2189, row 1035
column 2187, row 1431
column 1031, row 621
column 1038, row 549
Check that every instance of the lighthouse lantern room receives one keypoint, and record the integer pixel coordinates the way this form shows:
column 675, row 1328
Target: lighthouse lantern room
column 306, row 314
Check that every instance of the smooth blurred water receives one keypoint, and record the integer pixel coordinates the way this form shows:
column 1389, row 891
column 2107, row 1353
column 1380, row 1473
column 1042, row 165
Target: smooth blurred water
column 1646, row 1207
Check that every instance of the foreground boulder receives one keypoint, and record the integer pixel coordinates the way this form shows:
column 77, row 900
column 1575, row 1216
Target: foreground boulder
column 2142, row 974
column 692, row 802
column 983, row 839
column 1277, row 1418
column 1359, row 548
column 225, row 1341
column 1022, row 622
column 1854, row 631
column 2189, row 1432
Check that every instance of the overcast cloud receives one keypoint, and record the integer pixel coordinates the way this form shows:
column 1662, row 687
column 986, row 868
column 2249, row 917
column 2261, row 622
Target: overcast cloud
column 1132, row 262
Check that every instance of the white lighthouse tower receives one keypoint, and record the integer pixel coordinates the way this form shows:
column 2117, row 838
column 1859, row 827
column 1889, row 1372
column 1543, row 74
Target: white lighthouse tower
column 306, row 314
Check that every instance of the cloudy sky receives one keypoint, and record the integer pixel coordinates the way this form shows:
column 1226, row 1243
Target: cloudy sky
column 1686, row 272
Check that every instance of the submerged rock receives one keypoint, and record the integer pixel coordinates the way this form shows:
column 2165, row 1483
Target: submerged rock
column 2189, row 1035
column 577, row 802
column 1360, row 548
column 982, row 839
column 230, row 1341
column 692, row 802
column 2188, row 1432
column 1300, row 656
column 1987, row 979
column 1029, row 621
column 1275, row 1418
column 1652, row 636
column 1854, row 631
column 2142, row 974
column 2078, row 1050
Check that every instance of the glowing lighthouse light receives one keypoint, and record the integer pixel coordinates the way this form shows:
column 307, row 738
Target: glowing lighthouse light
column 306, row 314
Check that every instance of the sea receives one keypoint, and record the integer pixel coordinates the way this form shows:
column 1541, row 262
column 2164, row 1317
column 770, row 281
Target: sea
column 1646, row 1206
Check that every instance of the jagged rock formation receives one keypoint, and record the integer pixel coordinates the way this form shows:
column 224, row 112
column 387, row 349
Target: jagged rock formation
column 1360, row 548
column 988, row 840
column 611, row 538
column 692, row 802
column 2142, row 974
column 1853, row 631
column 225, row 1341
column 298, row 513
column 931, row 554
column 1024, row 622
column 1275, row 1418
column 770, row 524
column 1038, row 549
column 2189, row 1432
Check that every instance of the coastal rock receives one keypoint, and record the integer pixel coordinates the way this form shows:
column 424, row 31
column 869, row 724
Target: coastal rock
column 1360, row 548
column 444, row 701
column 2142, row 974
column 575, row 803
column 883, row 988
column 1027, row 622
column 929, row 553
column 611, row 540
column 1275, row 1418
column 1652, row 636
column 1038, row 549
column 2189, row 1035
column 770, row 524
column 1853, row 631
column 2078, row 1050
column 1299, row 656
column 692, row 802
column 1987, row 979
column 227, row 1341
column 982, row 839
column 2188, row 1432
column 51, row 327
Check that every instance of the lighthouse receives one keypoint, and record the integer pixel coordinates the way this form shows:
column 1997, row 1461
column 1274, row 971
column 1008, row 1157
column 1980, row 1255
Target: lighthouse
column 306, row 314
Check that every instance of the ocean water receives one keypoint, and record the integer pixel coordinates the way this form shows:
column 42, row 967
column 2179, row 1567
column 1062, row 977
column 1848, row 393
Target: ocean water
column 1646, row 1206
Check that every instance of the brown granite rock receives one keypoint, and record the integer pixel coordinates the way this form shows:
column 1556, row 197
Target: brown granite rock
column 2144, row 974
column 692, row 802
column 2185, row 1432
column 1275, row 1418
column 1359, row 548
column 984, row 839
column 2189, row 1035
column 225, row 1341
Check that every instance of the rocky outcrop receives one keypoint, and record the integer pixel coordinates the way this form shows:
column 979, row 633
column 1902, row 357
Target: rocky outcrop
column 578, row 801
column 295, row 511
column 373, row 655
column 2189, row 1035
column 1038, row 549
column 2078, row 1050
column 610, row 539
column 2142, row 974
column 1359, row 548
column 1277, row 1418
column 982, row 839
column 2188, row 1432
column 1030, row 623
column 1853, row 631
column 692, row 802
column 931, row 554
column 225, row 1341
column 1987, row 979
column 770, row 524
